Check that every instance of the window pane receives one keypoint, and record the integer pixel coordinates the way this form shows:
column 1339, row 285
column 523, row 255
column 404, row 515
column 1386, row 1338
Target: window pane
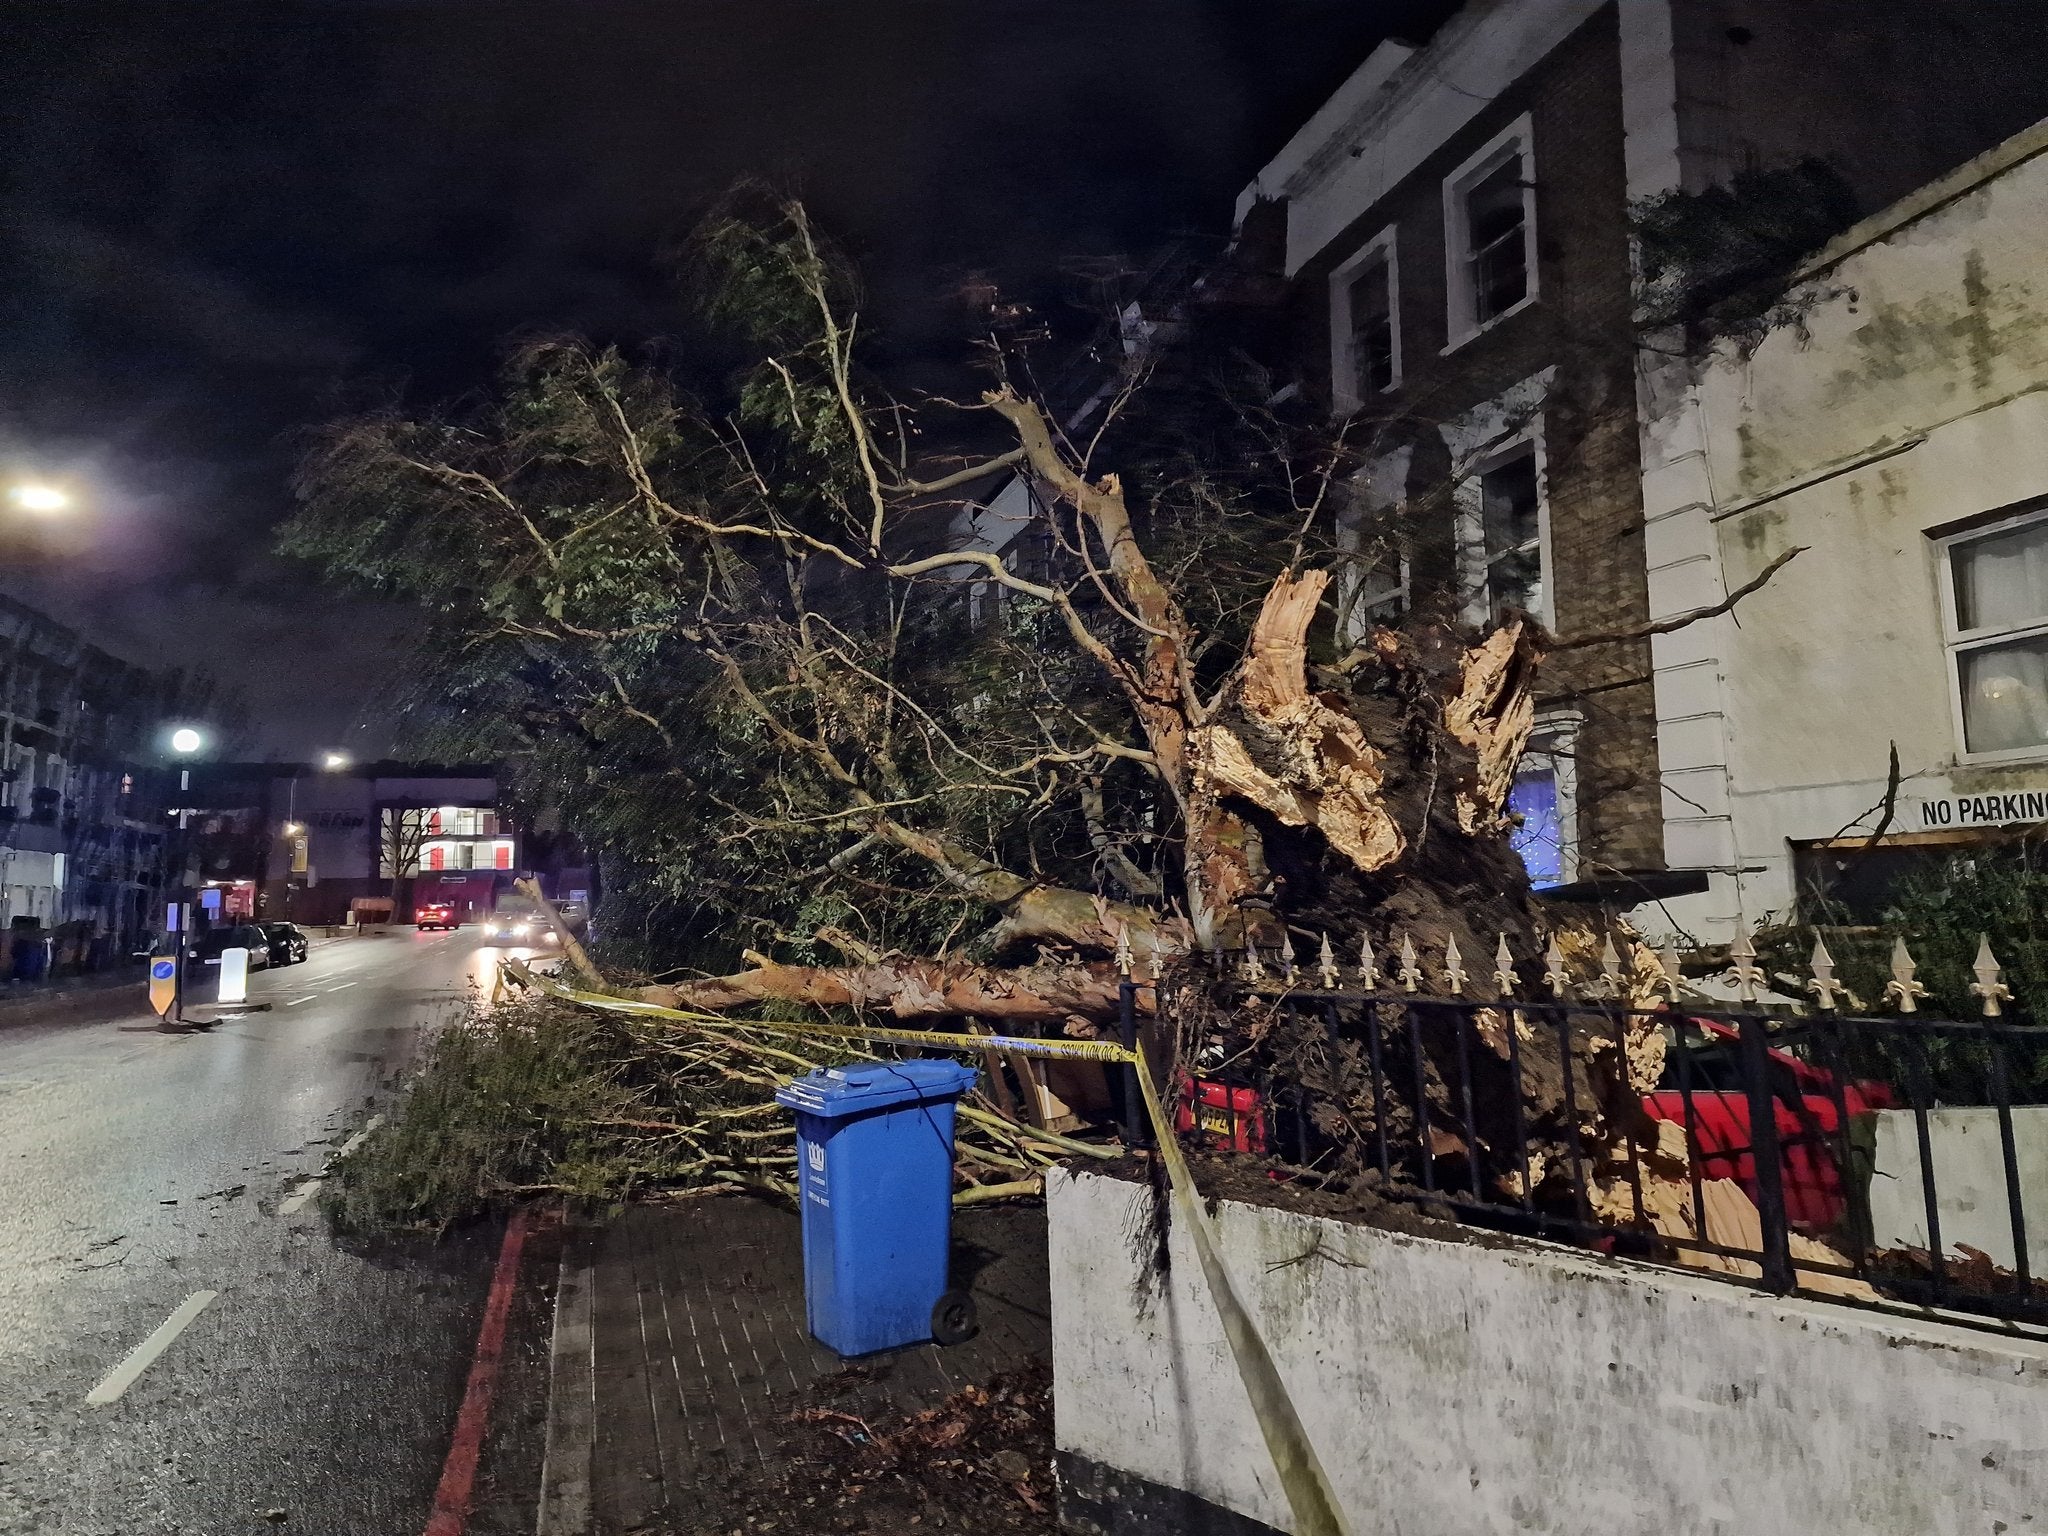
column 2005, row 696
column 1372, row 327
column 1511, row 523
column 1497, row 253
column 1509, row 506
column 1540, row 837
column 2002, row 581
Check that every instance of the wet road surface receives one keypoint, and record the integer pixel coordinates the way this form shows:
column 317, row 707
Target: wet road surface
column 139, row 1172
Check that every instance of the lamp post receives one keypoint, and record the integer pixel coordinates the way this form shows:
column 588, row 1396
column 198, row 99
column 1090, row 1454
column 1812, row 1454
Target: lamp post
column 185, row 743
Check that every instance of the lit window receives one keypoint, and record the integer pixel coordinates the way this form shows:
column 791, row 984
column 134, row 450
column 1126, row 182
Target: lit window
column 503, row 855
column 1543, row 803
column 437, row 857
column 1538, row 839
column 1489, row 224
column 1997, row 620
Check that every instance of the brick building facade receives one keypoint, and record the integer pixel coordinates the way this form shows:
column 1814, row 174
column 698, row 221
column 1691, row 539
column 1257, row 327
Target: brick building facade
column 1460, row 249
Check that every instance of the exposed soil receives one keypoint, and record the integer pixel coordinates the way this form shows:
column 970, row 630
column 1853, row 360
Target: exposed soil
column 979, row 1464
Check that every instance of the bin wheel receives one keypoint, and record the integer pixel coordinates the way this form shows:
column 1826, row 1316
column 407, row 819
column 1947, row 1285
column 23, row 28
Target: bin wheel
column 953, row 1319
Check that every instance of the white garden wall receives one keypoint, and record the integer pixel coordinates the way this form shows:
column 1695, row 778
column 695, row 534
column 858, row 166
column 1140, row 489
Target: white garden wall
column 1454, row 1390
column 1969, row 1182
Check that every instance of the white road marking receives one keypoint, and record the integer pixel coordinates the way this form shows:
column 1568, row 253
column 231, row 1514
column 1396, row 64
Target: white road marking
column 144, row 1354
column 298, row 1000
column 302, row 1196
column 344, row 984
column 572, row 1406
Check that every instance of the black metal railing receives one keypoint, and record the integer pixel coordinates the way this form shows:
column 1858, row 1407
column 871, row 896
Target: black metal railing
column 1485, row 1107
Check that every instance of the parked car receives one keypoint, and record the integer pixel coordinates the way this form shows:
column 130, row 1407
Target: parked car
column 205, row 948
column 288, row 942
column 436, row 914
column 1805, row 1110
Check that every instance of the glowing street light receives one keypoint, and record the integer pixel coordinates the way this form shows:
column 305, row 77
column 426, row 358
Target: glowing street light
column 37, row 497
column 334, row 762
column 293, row 829
column 185, row 741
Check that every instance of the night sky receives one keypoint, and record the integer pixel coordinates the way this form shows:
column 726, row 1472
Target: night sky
column 220, row 223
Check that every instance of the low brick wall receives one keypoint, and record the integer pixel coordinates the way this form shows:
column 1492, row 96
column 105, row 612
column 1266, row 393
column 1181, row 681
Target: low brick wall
column 1453, row 1389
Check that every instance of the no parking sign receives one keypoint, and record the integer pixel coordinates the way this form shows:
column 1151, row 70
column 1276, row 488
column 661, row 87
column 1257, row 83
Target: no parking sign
column 163, row 984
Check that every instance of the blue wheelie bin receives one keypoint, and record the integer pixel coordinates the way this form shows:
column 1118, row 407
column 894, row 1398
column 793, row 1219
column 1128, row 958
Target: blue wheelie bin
column 874, row 1148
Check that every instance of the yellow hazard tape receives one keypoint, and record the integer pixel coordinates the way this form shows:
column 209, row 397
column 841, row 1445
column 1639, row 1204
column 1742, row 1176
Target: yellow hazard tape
column 1309, row 1495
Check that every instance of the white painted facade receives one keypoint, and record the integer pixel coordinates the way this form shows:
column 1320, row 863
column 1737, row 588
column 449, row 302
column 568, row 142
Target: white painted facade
column 1907, row 409
column 1451, row 1389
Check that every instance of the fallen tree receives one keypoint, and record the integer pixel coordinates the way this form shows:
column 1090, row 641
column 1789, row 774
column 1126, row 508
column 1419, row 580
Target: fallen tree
column 742, row 649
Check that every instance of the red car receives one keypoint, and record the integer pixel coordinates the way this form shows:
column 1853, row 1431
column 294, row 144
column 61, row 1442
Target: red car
column 437, row 914
column 1815, row 1199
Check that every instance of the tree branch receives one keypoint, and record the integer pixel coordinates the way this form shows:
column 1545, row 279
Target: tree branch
column 1680, row 621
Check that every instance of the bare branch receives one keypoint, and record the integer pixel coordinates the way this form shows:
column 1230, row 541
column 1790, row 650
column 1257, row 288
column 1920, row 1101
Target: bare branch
column 1680, row 621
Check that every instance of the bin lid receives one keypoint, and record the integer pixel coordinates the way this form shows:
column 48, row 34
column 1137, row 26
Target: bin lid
column 870, row 1085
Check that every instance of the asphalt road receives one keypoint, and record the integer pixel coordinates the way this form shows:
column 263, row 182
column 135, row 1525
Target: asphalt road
column 140, row 1170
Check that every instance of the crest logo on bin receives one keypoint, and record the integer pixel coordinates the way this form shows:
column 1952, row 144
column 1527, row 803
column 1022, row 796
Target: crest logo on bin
column 816, row 1156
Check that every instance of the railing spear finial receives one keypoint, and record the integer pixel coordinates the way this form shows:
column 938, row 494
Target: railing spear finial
column 1611, row 984
column 1822, row 964
column 1123, row 950
column 1410, row 974
column 1254, row 968
column 1670, row 975
column 1504, row 975
column 1902, row 988
column 1555, row 976
column 1286, row 955
column 1368, row 965
column 1326, row 965
column 1455, row 974
column 1987, row 985
column 1743, row 970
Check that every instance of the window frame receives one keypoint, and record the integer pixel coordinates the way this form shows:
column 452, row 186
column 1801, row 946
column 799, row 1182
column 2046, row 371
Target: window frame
column 1462, row 322
column 1956, row 641
column 1347, row 391
column 1475, row 564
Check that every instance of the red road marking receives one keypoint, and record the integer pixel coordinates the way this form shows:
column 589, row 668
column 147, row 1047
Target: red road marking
column 458, row 1472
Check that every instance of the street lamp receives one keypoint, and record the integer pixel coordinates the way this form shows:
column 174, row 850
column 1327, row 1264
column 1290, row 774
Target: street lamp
column 35, row 496
column 334, row 762
column 185, row 741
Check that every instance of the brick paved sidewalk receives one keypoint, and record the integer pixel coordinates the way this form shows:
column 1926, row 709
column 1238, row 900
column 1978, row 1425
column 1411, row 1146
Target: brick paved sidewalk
column 680, row 1346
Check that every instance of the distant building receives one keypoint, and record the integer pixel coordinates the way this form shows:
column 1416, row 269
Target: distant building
column 276, row 840
column 81, row 834
column 1458, row 228
column 1898, row 435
